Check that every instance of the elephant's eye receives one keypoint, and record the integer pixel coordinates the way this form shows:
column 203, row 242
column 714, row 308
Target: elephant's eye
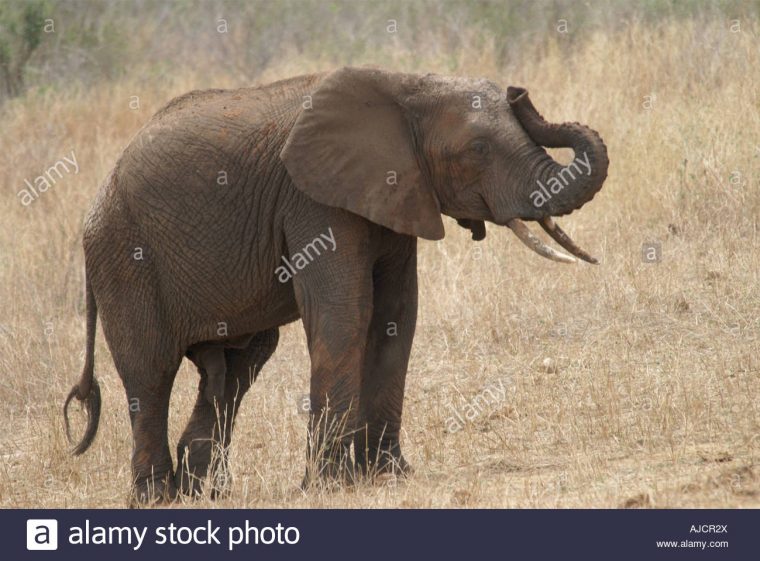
column 480, row 147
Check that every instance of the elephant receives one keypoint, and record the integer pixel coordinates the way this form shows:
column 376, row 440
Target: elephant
column 202, row 242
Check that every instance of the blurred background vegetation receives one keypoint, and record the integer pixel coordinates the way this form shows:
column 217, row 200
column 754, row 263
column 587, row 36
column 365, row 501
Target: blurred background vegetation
column 46, row 44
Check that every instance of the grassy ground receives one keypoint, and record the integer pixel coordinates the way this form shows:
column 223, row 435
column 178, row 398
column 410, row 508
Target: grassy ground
column 629, row 384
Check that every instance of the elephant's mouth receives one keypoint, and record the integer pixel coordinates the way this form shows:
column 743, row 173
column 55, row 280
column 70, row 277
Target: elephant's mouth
column 527, row 237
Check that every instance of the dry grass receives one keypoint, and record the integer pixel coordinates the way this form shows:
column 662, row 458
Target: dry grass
column 652, row 395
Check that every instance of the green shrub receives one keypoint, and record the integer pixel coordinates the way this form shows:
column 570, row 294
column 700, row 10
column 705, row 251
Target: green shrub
column 21, row 29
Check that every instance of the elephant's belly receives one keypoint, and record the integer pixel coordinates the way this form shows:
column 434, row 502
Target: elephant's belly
column 279, row 309
column 246, row 309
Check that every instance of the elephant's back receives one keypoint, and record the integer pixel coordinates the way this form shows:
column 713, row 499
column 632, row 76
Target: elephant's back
column 203, row 138
column 246, row 105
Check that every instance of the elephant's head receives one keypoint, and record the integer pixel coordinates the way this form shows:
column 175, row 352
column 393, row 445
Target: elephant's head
column 400, row 149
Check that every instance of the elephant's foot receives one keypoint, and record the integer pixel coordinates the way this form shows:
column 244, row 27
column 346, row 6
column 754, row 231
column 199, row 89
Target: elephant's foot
column 394, row 465
column 189, row 480
column 192, row 482
column 385, row 460
column 192, row 463
column 199, row 467
column 153, row 491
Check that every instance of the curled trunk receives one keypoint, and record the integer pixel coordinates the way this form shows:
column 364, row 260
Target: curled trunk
column 554, row 189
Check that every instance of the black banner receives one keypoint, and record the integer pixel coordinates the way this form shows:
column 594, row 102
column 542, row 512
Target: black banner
column 381, row 534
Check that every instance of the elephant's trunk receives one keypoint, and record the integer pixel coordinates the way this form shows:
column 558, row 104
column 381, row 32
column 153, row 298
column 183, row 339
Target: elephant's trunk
column 554, row 189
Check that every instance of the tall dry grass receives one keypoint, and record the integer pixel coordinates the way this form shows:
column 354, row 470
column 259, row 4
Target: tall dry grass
column 649, row 396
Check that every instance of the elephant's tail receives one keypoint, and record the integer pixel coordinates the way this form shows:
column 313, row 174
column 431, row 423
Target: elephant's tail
column 86, row 390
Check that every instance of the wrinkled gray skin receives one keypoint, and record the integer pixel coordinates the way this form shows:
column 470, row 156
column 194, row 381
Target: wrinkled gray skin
column 190, row 227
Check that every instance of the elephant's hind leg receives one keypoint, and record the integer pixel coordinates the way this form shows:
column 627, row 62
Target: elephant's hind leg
column 147, row 372
column 202, row 448
column 212, row 364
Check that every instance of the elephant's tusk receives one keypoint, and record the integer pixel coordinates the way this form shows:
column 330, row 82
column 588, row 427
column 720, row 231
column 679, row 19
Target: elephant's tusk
column 527, row 237
column 559, row 236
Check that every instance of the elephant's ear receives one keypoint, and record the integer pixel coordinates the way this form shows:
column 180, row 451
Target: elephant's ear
column 353, row 149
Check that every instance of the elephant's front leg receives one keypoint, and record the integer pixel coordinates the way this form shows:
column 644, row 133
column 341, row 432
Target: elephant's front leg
column 336, row 313
column 376, row 444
